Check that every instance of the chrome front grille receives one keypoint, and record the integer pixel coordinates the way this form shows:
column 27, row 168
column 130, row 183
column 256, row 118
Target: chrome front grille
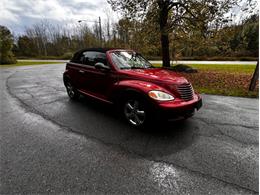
column 186, row 91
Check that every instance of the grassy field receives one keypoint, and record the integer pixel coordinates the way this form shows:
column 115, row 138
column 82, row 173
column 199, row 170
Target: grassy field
column 28, row 63
column 234, row 68
column 230, row 80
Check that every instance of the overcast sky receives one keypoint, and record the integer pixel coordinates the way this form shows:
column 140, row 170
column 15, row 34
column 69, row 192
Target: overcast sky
column 17, row 14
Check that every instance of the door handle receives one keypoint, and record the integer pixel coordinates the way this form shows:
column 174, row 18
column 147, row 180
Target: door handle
column 81, row 71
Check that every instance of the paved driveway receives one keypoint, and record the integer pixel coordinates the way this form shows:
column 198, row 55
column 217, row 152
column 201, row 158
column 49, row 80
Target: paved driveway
column 51, row 144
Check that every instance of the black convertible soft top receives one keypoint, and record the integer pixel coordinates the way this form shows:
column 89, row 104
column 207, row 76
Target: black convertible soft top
column 99, row 49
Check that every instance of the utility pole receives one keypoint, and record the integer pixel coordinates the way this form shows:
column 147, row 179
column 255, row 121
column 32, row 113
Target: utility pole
column 100, row 30
column 99, row 26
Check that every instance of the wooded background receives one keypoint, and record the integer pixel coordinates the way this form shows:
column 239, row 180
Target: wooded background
column 204, row 34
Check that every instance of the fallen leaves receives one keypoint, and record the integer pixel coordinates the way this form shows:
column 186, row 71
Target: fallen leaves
column 222, row 83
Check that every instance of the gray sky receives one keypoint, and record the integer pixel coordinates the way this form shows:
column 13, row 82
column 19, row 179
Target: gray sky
column 16, row 14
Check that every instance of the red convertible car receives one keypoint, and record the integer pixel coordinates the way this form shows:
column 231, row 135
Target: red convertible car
column 126, row 79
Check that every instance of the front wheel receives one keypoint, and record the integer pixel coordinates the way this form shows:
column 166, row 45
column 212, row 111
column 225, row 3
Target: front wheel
column 136, row 112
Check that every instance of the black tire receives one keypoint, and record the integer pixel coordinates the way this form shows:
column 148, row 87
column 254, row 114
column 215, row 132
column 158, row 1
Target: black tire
column 71, row 91
column 136, row 111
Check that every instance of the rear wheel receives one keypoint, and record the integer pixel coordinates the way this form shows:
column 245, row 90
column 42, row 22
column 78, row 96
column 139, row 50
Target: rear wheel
column 72, row 92
column 136, row 112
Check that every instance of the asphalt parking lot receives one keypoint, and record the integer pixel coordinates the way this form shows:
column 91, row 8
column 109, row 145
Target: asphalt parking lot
column 50, row 144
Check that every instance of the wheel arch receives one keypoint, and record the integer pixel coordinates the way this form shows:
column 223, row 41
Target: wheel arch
column 66, row 78
column 122, row 94
column 134, row 87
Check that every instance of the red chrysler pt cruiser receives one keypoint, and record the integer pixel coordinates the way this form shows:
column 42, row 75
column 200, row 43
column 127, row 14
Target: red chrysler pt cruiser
column 126, row 79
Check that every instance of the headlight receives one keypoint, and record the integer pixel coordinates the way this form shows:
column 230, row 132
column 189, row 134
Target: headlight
column 159, row 95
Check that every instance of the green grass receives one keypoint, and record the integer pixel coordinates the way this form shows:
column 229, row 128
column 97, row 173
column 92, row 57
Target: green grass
column 28, row 63
column 235, row 68
column 247, row 68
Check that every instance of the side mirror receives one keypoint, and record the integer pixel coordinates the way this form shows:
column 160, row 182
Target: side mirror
column 101, row 66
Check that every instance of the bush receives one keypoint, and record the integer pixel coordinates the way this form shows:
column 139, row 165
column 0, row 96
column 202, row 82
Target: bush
column 6, row 44
column 66, row 56
column 183, row 68
column 8, row 58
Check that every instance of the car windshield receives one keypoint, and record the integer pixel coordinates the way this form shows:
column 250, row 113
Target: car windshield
column 129, row 60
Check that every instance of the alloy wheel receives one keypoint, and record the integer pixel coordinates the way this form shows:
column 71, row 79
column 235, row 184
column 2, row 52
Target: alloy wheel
column 134, row 112
column 70, row 90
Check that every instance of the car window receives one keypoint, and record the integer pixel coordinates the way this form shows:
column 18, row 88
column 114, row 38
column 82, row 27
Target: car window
column 130, row 60
column 76, row 58
column 92, row 57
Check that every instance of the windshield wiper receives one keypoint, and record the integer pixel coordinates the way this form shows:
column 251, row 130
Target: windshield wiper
column 137, row 67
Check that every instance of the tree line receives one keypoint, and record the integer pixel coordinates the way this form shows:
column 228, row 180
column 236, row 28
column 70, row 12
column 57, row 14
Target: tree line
column 189, row 30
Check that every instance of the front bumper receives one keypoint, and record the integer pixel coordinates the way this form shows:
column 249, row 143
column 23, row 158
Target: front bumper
column 178, row 109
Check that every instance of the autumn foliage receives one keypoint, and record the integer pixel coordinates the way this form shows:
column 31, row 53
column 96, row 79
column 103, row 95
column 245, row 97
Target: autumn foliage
column 222, row 83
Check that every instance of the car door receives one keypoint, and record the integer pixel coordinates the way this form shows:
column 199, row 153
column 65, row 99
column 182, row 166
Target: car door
column 97, row 82
column 103, row 79
column 74, row 68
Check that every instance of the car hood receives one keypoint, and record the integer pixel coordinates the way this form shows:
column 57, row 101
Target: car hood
column 157, row 74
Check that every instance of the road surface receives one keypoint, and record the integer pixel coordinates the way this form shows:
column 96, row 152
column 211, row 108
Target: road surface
column 50, row 144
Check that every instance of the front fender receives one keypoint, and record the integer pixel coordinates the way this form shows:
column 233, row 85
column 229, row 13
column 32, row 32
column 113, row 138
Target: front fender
column 140, row 86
